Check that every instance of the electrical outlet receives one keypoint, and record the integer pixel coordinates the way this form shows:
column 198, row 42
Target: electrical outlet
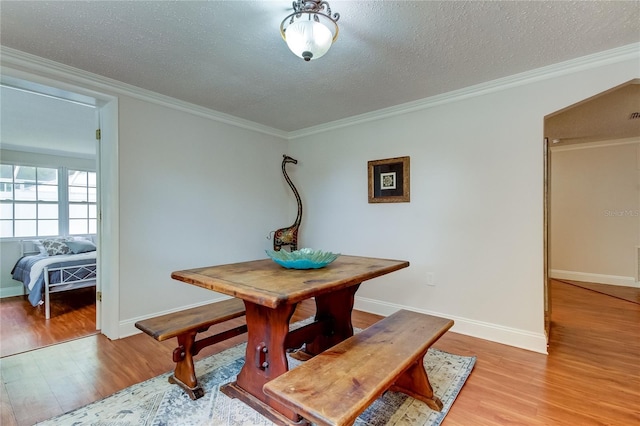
column 431, row 281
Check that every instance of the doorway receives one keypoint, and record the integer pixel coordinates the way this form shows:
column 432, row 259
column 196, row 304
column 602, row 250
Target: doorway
column 48, row 133
column 106, row 166
column 591, row 197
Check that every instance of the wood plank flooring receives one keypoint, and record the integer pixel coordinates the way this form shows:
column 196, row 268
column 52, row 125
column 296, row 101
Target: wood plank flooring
column 24, row 327
column 590, row 377
column 630, row 294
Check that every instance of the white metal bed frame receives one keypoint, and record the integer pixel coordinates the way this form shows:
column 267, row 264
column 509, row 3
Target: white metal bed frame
column 70, row 279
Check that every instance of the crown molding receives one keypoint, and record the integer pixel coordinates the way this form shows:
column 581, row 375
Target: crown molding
column 631, row 51
column 15, row 58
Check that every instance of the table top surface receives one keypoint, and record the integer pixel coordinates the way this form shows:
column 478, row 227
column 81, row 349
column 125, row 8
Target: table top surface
column 266, row 283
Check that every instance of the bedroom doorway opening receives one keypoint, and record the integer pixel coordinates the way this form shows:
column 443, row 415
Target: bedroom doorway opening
column 90, row 157
column 592, row 196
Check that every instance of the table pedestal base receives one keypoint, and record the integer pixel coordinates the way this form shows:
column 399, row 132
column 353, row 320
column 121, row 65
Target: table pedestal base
column 232, row 390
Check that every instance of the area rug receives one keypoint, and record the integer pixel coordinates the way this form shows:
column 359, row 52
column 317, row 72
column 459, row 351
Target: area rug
column 156, row 402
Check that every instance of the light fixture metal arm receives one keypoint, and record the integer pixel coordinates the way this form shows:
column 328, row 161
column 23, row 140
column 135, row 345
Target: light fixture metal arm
column 315, row 6
column 315, row 9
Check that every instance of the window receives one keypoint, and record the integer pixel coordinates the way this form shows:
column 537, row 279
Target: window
column 83, row 218
column 44, row 201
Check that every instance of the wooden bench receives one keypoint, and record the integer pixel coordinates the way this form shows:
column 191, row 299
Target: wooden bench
column 334, row 387
column 185, row 325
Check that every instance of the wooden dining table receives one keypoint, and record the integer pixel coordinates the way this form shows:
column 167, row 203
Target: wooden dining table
column 270, row 293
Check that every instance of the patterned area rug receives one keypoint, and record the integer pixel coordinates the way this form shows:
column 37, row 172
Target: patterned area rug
column 156, row 402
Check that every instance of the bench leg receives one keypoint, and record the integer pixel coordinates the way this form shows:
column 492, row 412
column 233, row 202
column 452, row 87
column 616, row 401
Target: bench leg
column 415, row 383
column 185, row 373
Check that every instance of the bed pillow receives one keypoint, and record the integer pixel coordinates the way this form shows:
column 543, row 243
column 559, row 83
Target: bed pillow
column 56, row 246
column 38, row 246
column 80, row 246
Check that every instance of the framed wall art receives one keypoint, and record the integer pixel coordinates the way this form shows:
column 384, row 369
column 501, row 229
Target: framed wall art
column 389, row 180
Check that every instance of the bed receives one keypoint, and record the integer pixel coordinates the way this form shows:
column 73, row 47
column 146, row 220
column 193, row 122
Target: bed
column 54, row 265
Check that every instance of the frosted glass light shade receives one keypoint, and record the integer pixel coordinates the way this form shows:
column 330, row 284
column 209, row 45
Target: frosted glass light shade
column 308, row 39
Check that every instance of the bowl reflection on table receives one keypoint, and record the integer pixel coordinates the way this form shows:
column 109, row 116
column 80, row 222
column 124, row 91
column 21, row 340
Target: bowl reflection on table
column 305, row 258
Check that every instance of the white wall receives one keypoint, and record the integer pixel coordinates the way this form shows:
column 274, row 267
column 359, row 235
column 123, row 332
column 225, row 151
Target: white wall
column 193, row 192
column 594, row 221
column 476, row 215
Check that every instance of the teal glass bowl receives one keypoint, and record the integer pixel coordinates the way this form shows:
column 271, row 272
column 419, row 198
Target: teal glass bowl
column 305, row 258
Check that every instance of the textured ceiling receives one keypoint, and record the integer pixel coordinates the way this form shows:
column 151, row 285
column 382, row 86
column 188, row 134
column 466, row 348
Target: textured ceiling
column 229, row 56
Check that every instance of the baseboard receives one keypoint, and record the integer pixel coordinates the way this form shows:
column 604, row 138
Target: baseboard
column 128, row 327
column 593, row 278
column 536, row 342
column 16, row 290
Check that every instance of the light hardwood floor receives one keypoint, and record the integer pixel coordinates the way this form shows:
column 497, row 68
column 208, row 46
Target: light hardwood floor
column 590, row 377
column 24, row 327
column 630, row 294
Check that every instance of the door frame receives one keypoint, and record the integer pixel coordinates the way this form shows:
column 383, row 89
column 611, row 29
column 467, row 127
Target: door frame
column 107, row 312
column 546, row 209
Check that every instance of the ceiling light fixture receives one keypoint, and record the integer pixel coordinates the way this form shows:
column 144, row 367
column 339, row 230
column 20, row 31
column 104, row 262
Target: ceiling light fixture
column 311, row 29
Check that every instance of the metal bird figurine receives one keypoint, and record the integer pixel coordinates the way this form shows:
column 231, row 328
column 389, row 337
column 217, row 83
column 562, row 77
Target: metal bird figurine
column 289, row 236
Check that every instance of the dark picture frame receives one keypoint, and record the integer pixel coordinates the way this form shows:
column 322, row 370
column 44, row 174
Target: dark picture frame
column 389, row 180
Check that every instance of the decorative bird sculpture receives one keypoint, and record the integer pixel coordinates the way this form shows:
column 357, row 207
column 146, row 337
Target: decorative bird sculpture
column 289, row 236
